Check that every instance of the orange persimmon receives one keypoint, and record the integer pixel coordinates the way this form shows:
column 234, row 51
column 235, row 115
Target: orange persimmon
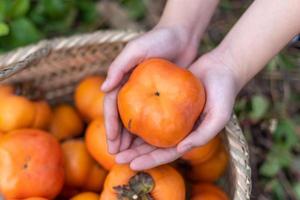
column 203, row 153
column 31, row 164
column 86, row 196
column 80, row 169
column 66, row 122
column 161, row 102
column 89, row 98
column 159, row 183
column 212, row 169
column 96, row 144
column 208, row 191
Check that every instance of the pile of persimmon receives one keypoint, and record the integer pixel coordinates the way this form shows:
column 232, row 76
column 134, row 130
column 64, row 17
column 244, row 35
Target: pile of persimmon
column 60, row 151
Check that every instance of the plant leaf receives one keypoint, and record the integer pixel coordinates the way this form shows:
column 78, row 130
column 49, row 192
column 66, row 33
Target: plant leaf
column 259, row 107
column 19, row 8
column 4, row 29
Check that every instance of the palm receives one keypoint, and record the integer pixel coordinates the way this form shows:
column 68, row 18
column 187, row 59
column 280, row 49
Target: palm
column 221, row 91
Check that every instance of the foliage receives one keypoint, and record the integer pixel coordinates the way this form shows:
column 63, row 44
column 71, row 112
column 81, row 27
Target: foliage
column 26, row 21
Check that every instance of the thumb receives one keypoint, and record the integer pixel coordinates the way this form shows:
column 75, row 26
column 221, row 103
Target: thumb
column 125, row 61
column 212, row 124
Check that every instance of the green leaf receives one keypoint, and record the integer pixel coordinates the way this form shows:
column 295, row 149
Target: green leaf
column 136, row 8
column 4, row 29
column 285, row 133
column 19, row 8
column 296, row 188
column 278, row 190
column 269, row 168
column 57, row 9
column 259, row 107
column 4, row 8
column 278, row 157
column 22, row 32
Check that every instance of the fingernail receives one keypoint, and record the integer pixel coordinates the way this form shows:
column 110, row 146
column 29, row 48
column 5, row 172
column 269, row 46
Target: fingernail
column 184, row 148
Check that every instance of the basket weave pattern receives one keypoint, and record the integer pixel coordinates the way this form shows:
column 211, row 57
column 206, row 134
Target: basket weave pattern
column 57, row 65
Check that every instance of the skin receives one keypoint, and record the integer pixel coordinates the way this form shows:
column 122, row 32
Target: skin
column 264, row 29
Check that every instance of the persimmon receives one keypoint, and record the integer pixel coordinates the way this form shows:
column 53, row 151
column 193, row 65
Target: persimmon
column 161, row 102
column 19, row 111
column 16, row 111
column 159, row 183
column 43, row 115
column 95, row 140
column 203, row 153
column 66, row 122
column 89, row 97
column 86, row 196
column 212, row 169
column 31, row 164
column 95, row 179
column 207, row 191
column 80, row 169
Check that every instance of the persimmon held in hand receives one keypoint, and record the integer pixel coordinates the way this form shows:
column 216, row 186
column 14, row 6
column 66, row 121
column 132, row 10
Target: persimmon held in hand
column 161, row 102
column 212, row 169
column 81, row 171
column 95, row 140
column 89, row 97
column 207, row 191
column 159, row 183
column 66, row 122
column 31, row 164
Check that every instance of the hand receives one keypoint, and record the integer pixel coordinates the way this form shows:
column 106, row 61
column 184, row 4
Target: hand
column 173, row 43
column 221, row 86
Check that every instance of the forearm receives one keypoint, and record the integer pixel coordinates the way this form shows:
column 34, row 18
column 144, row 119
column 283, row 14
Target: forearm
column 265, row 28
column 191, row 15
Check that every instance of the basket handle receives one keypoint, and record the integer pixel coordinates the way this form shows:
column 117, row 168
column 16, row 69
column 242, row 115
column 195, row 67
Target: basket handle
column 22, row 64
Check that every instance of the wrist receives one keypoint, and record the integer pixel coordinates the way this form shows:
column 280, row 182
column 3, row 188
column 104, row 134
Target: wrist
column 225, row 59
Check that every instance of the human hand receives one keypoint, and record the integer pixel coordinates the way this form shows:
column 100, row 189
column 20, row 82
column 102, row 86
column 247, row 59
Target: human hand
column 172, row 43
column 221, row 86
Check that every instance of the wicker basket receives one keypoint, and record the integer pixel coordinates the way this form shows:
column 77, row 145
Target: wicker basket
column 57, row 65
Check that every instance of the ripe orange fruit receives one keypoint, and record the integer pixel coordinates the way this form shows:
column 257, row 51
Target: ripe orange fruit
column 95, row 140
column 212, row 169
column 89, row 97
column 15, row 111
column 86, row 196
column 160, row 183
column 31, row 164
column 66, row 122
column 80, row 169
column 203, row 153
column 208, row 191
column 161, row 102
column 43, row 115
column 18, row 111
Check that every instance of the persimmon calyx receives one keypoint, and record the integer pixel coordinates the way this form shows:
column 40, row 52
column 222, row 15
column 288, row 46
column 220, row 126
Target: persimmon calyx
column 139, row 188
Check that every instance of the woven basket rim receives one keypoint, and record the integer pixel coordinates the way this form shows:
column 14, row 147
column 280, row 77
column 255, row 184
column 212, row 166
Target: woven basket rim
column 21, row 58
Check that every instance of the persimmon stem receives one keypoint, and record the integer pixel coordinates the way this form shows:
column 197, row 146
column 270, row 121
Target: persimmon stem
column 139, row 188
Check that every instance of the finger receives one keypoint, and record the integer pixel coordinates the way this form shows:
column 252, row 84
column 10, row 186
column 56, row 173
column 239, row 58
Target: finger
column 137, row 142
column 114, row 145
column 127, row 59
column 130, row 154
column 154, row 158
column 111, row 117
column 126, row 139
column 213, row 123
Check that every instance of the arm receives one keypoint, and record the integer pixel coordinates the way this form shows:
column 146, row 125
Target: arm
column 265, row 28
column 260, row 34
column 176, row 37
